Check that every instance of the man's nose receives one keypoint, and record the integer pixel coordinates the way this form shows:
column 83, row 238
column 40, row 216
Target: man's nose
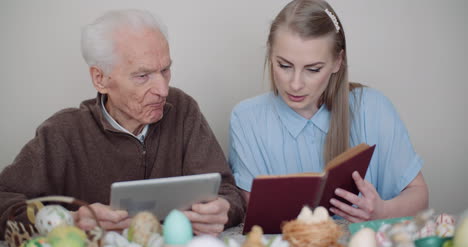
column 160, row 85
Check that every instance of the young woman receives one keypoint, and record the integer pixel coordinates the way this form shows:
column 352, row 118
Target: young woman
column 314, row 113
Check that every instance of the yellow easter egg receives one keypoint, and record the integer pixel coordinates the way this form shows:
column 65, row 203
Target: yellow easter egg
column 69, row 236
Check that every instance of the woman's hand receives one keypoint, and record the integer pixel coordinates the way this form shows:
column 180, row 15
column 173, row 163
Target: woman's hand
column 108, row 218
column 368, row 207
column 209, row 218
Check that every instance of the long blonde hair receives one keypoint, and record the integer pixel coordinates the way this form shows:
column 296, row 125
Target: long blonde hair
column 308, row 19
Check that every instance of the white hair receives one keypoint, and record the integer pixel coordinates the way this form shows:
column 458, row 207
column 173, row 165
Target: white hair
column 97, row 44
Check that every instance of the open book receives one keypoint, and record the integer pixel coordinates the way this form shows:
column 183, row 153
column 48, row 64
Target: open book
column 278, row 198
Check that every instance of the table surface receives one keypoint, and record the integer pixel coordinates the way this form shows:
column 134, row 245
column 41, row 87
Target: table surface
column 235, row 233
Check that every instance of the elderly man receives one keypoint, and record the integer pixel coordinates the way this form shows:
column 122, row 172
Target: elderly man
column 137, row 128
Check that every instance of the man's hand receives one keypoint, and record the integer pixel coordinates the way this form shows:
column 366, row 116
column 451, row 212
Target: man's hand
column 108, row 218
column 209, row 218
column 369, row 206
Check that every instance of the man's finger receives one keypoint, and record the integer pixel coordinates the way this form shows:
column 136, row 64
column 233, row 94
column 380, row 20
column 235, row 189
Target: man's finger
column 213, row 207
column 211, row 229
column 103, row 213
column 195, row 217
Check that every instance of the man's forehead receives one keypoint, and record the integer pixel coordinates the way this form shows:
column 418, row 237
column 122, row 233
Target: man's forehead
column 126, row 36
column 137, row 44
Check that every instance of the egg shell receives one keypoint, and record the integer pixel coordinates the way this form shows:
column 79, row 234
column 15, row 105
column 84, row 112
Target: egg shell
column 52, row 216
column 445, row 230
column 363, row 238
column 428, row 230
column 65, row 235
column 37, row 242
column 142, row 226
column 177, row 229
column 445, row 219
column 461, row 234
column 155, row 240
column 204, row 241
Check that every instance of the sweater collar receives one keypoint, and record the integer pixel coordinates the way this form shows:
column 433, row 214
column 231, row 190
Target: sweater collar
column 97, row 112
column 141, row 136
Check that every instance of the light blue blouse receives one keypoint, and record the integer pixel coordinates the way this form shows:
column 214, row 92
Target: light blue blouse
column 268, row 137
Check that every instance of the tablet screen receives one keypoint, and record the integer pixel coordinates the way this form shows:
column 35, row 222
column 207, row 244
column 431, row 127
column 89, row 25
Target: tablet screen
column 161, row 195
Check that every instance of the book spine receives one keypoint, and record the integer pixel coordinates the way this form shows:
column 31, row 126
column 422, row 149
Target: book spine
column 318, row 197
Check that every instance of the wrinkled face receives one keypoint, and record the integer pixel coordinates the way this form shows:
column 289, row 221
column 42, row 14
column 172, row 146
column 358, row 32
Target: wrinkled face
column 138, row 85
column 302, row 69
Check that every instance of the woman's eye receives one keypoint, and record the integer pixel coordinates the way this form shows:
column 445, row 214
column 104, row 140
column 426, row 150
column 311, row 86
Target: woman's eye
column 314, row 69
column 284, row 66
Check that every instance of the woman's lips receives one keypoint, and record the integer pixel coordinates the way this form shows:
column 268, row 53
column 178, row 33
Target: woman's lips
column 295, row 98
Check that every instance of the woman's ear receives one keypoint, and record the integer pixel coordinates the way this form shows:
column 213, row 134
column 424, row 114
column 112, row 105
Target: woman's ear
column 338, row 62
column 99, row 80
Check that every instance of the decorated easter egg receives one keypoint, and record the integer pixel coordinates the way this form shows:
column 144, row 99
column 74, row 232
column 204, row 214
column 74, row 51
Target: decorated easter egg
column 52, row 216
column 143, row 225
column 445, row 219
column 363, row 238
column 36, row 242
column 206, row 240
column 177, row 229
column 65, row 235
column 445, row 230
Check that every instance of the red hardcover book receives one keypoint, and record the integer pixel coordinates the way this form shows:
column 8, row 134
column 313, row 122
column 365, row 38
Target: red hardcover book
column 278, row 198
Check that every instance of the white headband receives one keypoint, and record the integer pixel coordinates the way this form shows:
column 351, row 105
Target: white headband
column 333, row 18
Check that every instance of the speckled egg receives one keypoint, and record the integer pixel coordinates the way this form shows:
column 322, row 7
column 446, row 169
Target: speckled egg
column 177, row 229
column 52, row 216
column 143, row 225
column 69, row 236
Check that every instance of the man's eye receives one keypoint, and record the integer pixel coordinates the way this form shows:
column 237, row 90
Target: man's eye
column 141, row 78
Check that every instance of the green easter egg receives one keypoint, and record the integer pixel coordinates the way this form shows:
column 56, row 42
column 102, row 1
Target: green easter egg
column 36, row 242
column 177, row 229
column 69, row 236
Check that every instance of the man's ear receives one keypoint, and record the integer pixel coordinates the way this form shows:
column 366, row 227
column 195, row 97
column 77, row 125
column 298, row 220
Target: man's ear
column 338, row 62
column 99, row 79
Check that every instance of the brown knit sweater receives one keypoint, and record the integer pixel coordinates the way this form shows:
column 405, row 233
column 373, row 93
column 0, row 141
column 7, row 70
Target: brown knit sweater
column 77, row 153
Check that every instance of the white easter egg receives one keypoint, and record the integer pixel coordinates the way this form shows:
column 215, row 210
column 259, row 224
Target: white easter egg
column 52, row 216
column 363, row 238
column 204, row 241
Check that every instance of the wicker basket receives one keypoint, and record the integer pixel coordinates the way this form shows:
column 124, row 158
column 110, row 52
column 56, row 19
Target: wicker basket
column 17, row 232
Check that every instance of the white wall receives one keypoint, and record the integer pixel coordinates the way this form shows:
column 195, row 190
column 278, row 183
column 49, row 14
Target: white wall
column 413, row 51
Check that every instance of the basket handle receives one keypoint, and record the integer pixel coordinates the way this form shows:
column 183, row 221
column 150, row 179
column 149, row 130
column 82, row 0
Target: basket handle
column 37, row 202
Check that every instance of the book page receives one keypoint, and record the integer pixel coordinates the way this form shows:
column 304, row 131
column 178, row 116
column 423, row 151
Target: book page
column 346, row 155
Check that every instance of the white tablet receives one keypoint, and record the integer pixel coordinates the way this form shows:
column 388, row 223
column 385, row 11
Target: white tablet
column 161, row 195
